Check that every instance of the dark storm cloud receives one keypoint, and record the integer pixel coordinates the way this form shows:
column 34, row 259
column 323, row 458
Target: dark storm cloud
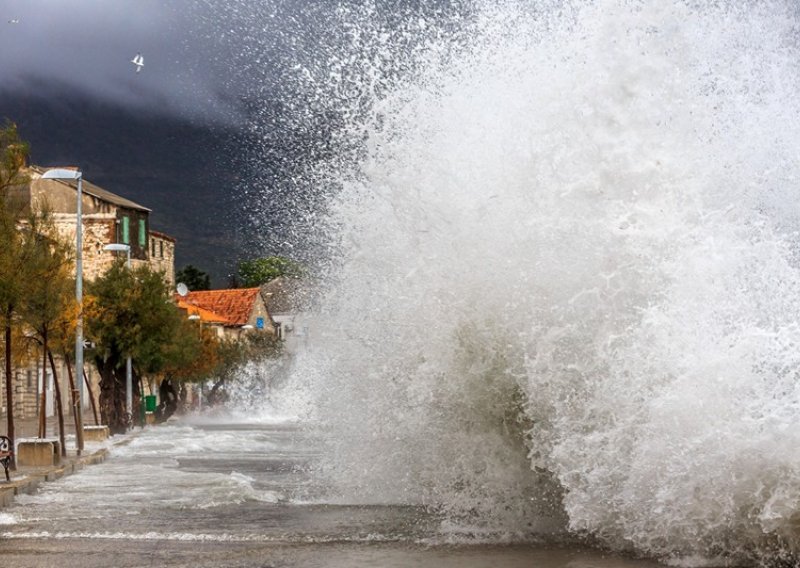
column 86, row 47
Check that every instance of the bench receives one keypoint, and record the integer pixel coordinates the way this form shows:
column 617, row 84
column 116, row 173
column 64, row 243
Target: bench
column 6, row 454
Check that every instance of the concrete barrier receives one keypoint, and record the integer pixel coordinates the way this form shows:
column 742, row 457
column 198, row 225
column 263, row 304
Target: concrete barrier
column 95, row 433
column 38, row 452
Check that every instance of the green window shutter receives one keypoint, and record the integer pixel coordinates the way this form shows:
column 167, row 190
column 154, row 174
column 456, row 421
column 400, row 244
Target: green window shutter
column 126, row 230
column 142, row 233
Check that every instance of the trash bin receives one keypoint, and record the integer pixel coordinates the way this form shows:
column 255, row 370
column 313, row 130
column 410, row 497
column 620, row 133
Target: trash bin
column 150, row 403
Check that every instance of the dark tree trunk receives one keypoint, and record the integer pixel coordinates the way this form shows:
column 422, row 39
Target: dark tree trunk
column 137, row 405
column 59, row 406
column 112, row 395
column 182, row 395
column 215, row 395
column 91, row 398
column 9, row 390
column 43, row 399
column 77, row 411
column 169, row 400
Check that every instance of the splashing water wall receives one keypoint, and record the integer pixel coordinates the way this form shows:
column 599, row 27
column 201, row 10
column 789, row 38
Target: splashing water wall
column 565, row 289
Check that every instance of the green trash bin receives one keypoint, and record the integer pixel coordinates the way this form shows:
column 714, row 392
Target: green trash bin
column 150, row 403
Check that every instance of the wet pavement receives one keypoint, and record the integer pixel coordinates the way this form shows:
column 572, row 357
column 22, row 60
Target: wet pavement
column 199, row 493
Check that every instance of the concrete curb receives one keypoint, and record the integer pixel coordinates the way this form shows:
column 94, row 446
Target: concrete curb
column 29, row 478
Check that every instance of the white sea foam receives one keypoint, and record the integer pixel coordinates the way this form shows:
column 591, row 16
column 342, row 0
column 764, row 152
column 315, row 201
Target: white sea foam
column 197, row 537
column 564, row 288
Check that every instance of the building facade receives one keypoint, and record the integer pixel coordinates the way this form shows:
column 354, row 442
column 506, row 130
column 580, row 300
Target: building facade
column 106, row 218
column 162, row 255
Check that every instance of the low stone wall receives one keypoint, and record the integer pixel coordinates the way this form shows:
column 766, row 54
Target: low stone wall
column 95, row 433
column 38, row 452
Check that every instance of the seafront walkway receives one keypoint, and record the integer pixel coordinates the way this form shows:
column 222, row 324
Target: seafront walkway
column 26, row 479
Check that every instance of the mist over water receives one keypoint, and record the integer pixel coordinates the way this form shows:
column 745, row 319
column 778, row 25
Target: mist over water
column 562, row 290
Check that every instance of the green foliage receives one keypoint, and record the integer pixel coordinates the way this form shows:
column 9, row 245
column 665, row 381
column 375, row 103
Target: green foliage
column 16, row 245
column 47, row 304
column 130, row 313
column 12, row 261
column 194, row 278
column 231, row 355
column 35, row 269
column 259, row 271
column 252, row 347
column 186, row 348
column 13, row 154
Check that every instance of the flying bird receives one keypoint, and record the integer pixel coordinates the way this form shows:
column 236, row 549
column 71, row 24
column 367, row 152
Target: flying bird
column 13, row 21
column 138, row 61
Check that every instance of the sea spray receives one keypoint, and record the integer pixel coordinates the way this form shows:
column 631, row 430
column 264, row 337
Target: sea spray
column 562, row 290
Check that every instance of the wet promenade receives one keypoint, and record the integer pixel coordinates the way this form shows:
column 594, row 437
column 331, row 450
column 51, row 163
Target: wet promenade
column 217, row 493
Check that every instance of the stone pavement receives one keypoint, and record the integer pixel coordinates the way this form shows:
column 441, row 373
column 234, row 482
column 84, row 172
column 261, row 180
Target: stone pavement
column 27, row 479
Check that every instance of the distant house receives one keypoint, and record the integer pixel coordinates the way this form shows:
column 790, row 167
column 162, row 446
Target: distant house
column 288, row 300
column 230, row 312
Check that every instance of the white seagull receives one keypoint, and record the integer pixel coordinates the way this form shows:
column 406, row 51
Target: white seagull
column 138, row 61
column 13, row 21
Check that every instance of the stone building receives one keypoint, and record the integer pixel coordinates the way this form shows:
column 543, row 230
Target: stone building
column 106, row 218
column 162, row 255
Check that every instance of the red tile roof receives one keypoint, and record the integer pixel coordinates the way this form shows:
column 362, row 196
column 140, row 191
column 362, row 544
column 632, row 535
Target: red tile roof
column 204, row 315
column 233, row 306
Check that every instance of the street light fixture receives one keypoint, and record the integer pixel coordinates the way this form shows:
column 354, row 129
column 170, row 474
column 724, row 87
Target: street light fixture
column 120, row 247
column 76, row 174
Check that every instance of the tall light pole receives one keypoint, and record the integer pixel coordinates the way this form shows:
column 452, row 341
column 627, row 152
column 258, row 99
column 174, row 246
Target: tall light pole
column 119, row 247
column 75, row 174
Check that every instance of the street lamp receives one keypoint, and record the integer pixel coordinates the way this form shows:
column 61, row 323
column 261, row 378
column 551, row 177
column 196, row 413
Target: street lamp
column 76, row 174
column 119, row 247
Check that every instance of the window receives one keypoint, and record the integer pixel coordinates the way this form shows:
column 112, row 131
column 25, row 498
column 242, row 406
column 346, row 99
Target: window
column 126, row 230
column 153, row 247
column 142, row 233
column 161, row 244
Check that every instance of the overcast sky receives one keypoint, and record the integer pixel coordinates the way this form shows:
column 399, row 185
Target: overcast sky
column 87, row 45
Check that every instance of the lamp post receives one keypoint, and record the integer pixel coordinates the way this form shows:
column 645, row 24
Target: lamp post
column 76, row 174
column 119, row 247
